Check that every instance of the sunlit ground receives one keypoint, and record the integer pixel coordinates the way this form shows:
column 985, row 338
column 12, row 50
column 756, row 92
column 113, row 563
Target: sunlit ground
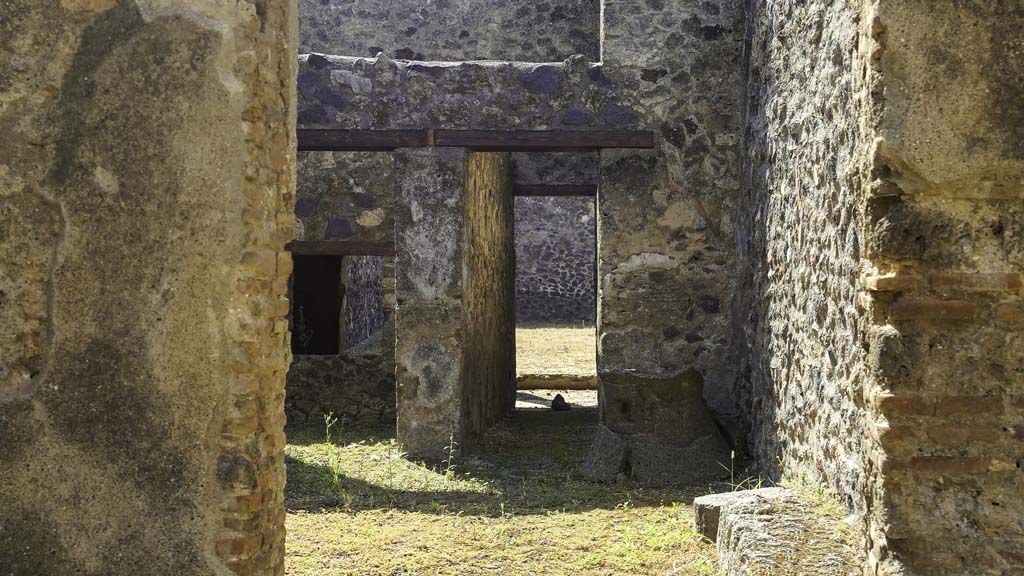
column 556, row 350
column 357, row 507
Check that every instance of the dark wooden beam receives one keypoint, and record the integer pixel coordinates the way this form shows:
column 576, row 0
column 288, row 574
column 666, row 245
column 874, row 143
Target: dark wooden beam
column 542, row 140
column 555, row 190
column 329, row 139
column 341, row 248
column 325, row 139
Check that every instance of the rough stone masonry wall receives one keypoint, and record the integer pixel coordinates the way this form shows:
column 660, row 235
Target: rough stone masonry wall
column 905, row 163
column 665, row 228
column 556, row 289
column 799, row 324
column 452, row 30
column 350, row 196
column 555, row 260
column 142, row 311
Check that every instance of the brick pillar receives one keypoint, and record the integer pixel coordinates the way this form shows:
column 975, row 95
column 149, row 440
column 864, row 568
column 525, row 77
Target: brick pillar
column 945, row 255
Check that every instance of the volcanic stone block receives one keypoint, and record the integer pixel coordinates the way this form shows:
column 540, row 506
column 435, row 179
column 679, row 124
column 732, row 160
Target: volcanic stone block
column 669, row 432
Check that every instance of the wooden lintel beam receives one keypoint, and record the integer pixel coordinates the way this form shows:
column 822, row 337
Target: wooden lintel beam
column 319, row 139
column 554, row 190
column 340, row 248
column 329, row 139
column 542, row 140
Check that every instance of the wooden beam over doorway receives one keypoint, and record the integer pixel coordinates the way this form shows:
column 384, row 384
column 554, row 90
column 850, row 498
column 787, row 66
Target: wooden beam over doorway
column 340, row 248
column 536, row 190
column 329, row 139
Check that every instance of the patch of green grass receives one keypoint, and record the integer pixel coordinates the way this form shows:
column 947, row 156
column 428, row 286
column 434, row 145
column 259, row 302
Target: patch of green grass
column 358, row 506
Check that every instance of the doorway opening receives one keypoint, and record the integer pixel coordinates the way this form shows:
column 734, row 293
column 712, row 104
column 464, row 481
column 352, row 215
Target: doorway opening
column 556, row 281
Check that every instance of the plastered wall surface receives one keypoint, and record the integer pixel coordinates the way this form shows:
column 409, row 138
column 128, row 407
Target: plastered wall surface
column 452, row 30
column 144, row 342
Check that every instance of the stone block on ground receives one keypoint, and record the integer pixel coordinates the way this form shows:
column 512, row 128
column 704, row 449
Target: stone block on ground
column 773, row 531
column 607, row 456
column 669, row 434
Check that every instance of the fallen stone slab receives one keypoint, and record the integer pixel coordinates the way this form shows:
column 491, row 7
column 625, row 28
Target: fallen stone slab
column 775, row 532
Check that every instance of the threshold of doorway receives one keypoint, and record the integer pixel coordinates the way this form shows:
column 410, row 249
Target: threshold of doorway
column 556, row 382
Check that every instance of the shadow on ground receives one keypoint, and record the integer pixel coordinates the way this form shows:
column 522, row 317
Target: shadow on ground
column 527, row 463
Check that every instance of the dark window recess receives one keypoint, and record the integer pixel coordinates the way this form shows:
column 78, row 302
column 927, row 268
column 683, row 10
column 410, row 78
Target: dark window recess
column 317, row 296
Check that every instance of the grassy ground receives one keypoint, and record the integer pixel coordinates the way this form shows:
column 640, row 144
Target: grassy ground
column 356, row 506
column 556, row 350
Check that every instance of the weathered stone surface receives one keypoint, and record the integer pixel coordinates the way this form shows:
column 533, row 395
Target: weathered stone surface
column 380, row 93
column 665, row 245
column 350, row 196
column 555, row 260
column 357, row 387
column 453, row 31
column 606, row 460
column 429, row 288
column 146, row 191
column 800, row 336
column 857, row 173
column 774, row 531
column 669, row 431
column 355, row 190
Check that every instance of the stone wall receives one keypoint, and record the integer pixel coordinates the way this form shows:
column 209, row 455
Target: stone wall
column 452, row 30
column 560, row 286
column 147, row 181
column 945, row 246
column 880, row 270
column 665, row 233
column 350, row 196
column 799, row 325
column 555, row 260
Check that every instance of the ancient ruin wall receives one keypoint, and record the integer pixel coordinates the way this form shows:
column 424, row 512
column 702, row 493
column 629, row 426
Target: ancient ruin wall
column 665, row 217
column 555, row 260
column 927, row 279
column 488, row 276
column 452, row 30
column 144, row 283
column 799, row 325
column 556, row 243
column 350, row 196
column 946, row 250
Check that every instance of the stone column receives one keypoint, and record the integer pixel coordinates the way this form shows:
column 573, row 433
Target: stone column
column 429, row 292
